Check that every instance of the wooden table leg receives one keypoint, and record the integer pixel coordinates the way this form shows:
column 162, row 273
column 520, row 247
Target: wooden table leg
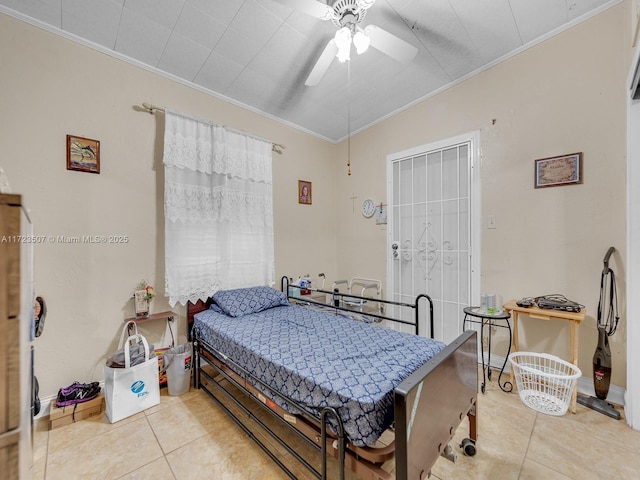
column 514, row 347
column 574, row 360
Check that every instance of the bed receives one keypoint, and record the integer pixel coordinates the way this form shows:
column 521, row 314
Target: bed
column 337, row 383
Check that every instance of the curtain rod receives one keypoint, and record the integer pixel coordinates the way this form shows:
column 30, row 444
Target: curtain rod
column 275, row 147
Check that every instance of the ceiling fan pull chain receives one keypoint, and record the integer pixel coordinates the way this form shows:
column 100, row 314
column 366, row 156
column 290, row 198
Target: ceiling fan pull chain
column 349, row 118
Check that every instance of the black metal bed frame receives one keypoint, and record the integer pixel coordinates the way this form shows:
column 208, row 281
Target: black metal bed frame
column 210, row 383
column 286, row 287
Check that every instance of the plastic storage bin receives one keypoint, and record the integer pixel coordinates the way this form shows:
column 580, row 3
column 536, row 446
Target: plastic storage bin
column 545, row 382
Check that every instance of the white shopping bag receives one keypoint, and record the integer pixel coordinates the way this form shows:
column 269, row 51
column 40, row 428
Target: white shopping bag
column 130, row 390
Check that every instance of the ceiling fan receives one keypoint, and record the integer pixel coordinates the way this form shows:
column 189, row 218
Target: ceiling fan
column 347, row 15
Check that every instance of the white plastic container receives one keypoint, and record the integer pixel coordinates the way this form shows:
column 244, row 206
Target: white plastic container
column 178, row 363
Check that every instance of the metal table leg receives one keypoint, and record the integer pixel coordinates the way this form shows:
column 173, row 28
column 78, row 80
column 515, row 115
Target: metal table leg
column 507, row 386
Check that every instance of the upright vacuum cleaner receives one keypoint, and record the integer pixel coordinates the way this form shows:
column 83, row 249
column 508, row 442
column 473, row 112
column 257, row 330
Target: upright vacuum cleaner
column 607, row 324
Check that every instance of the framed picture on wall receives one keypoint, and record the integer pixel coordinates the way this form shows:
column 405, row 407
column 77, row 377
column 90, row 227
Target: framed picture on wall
column 141, row 303
column 83, row 154
column 556, row 171
column 304, row 192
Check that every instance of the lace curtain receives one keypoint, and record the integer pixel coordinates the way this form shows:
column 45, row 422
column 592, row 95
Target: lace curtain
column 218, row 209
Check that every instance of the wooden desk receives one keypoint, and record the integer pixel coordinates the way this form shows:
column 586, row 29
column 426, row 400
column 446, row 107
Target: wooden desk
column 548, row 314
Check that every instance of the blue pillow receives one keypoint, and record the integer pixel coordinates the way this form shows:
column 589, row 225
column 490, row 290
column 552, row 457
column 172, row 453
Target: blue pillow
column 215, row 308
column 243, row 301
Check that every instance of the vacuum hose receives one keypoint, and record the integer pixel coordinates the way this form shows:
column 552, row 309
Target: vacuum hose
column 607, row 324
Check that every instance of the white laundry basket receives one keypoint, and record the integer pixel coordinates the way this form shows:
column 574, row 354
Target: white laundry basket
column 545, row 382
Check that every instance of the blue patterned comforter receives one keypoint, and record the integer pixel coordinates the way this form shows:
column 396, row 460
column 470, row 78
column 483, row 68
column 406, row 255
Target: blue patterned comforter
column 318, row 359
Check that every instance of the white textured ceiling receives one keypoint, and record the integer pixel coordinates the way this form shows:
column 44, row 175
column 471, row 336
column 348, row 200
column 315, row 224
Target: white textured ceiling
column 258, row 53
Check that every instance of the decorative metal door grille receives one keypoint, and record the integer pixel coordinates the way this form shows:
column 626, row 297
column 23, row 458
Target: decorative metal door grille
column 430, row 232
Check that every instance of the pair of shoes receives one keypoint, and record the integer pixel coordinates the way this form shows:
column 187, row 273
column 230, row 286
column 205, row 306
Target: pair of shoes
column 77, row 393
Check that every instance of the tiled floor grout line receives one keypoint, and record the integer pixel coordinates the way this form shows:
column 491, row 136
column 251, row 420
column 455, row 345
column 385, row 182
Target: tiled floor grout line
column 526, row 450
column 46, row 453
column 164, row 455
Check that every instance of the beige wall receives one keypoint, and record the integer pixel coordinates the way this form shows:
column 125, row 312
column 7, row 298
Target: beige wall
column 562, row 96
column 565, row 95
column 51, row 87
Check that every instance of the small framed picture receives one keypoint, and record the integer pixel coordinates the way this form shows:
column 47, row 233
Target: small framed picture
column 556, row 171
column 83, row 154
column 304, row 192
column 141, row 303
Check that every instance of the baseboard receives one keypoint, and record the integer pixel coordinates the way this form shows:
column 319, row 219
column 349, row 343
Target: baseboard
column 585, row 385
column 45, row 407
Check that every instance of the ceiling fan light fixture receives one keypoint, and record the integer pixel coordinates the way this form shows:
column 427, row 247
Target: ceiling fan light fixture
column 344, row 54
column 361, row 41
column 347, row 17
column 343, row 42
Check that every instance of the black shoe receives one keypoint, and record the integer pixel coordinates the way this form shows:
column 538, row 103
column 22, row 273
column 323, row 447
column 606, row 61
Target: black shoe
column 77, row 393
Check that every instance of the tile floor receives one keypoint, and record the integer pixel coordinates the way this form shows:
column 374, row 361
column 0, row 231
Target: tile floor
column 189, row 437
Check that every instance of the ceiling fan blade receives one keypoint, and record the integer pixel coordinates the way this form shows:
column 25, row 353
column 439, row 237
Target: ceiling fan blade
column 310, row 7
column 391, row 45
column 323, row 63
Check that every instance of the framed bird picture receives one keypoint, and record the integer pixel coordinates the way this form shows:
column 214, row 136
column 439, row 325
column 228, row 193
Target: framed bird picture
column 83, row 154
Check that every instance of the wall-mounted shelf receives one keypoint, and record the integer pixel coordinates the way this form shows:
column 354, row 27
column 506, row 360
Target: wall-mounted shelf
column 155, row 316
column 168, row 316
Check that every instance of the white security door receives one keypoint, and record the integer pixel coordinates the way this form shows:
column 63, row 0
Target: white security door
column 432, row 234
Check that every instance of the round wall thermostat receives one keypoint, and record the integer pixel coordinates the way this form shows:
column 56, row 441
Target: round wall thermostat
column 368, row 208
